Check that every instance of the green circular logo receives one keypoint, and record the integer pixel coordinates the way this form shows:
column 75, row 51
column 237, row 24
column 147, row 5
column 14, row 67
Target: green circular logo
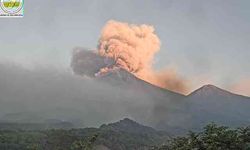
column 11, row 6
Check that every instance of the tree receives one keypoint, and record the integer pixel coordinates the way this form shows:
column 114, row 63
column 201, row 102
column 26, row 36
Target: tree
column 213, row 137
column 85, row 144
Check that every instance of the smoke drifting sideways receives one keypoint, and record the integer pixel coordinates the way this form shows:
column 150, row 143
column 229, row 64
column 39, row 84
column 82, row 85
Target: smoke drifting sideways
column 129, row 47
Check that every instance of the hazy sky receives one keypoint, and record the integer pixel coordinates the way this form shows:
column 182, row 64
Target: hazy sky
column 208, row 40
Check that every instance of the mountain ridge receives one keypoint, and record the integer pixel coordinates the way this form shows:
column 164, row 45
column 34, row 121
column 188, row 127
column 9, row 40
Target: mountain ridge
column 128, row 80
column 128, row 125
column 210, row 89
column 88, row 102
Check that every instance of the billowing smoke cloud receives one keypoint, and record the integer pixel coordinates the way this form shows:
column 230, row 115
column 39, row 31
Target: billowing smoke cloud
column 88, row 63
column 132, row 48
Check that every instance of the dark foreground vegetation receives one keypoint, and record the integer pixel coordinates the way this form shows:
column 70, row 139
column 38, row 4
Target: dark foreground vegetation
column 125, row 135
column 212, row 137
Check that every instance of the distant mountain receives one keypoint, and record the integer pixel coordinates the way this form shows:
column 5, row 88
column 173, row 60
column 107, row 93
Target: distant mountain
column 129, row 126
column 211, row 90
column 128, row 134
column 123, row 135
column 208, row 104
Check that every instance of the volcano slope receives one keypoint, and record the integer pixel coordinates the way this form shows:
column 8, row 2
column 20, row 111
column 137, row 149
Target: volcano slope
column 40, row 94
column 171, row 111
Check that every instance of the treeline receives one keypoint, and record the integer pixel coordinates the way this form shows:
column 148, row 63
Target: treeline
column 212, row 137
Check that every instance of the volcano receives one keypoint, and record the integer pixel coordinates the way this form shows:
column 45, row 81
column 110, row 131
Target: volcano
column 213, row 104
column 206, row 105
column 175, row 112
column 90, row 101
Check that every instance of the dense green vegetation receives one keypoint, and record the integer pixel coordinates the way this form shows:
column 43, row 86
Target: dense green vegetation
column 121, row 136
column 213, row 137
column 50, row 139
column 75, row 139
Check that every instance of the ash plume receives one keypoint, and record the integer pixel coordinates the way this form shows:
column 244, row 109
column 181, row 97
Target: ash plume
column 132, row 47
column 129, row 47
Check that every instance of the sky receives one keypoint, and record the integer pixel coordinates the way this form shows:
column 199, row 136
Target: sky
column 207, row 41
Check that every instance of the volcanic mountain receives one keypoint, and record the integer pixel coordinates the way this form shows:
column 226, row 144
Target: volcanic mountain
column 120, row 134
column 88, row 63
column 177, row 113
column 90, row 101
column 206, row 105
column 122, row 78
column 210, row 103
